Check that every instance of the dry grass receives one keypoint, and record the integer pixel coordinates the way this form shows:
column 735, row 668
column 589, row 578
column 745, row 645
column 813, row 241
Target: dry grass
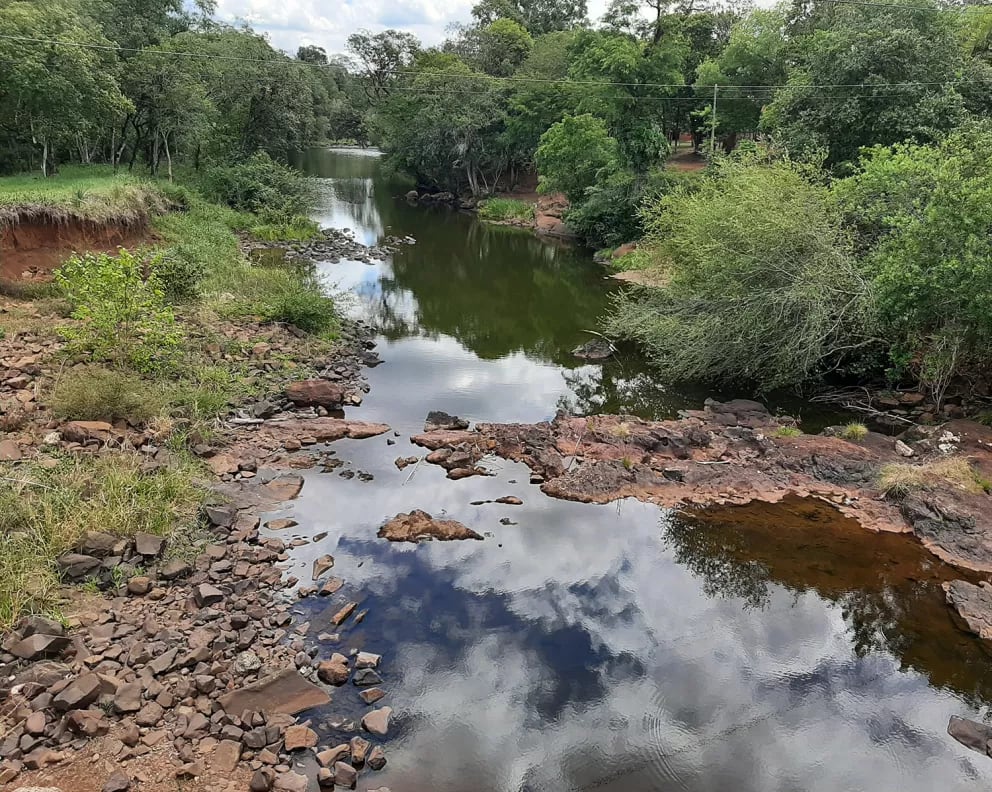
column 45, row 511
column 900, row 479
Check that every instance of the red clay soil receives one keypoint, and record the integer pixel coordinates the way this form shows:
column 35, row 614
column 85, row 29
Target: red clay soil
column 733, row 453
column 32, row 249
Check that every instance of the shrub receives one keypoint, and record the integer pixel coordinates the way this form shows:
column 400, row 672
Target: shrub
column 763, row 285
column 501, row 209
column 99, row 394
column 571, row 154
column 899, row 479
column 302, row 304
column 262, row 186
column 180, row 272
column 854, row 432
column 123, row 315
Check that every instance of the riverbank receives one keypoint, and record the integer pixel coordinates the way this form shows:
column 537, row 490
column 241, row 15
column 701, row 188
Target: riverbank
column 142, row 491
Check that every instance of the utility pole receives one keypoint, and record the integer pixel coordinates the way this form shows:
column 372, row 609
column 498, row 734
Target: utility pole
column 713, row 127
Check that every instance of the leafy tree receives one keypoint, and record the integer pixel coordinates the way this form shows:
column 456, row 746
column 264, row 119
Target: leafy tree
column 572, row 153
column 445, row 138
column 312, row 54
column 537, row 16
column 755, row 56
column 497, row 48
column 635, row 108
column 383, row 56
column 135, row 24
column 55, row 96
column 924, row 221
column 764, row 287
column 870, row 49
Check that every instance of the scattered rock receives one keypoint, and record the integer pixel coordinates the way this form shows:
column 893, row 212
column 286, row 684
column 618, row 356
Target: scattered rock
column 285, row 692
column 321, row 565
column 299, row 737
column 206, row 595
column 372, row 695
column 597, row 349
column 418, row 524
column 367, row 660
column 148, row 545
column 316, row 393
column 366, row 677
column 971, row 734
column 359, row 749
column 345, row 775
column 37, row 646
column 377, row 721
column 139, row 586
column 329, row 756
column 78, row 694
column 281, row 524
column 262, row 780
column 509, row 500
column 376, row 759
column 339, row 617
column 119, row 781
column 334, row 671
column 291, row 782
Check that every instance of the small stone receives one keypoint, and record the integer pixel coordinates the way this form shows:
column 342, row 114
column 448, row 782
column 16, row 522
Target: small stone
column 227, row 755
column 376, row 759
column 118, row 782
column 281, row 524
column 372, row 695
column 87, row 723
column 903, row 450
column 128, row 697
column 78, row 694
column 359, row 749
column 291, row 782
column 321, row 565
column 367, row 660
column 131, row 735
column 148, row 545
column 37, row 646
column 510, row 500
column 377, row 721
column 149, row 715
column 139, row 586
column 329, row 756
column 345, row 775
column 299, row 737
column 344, row 613
column 247, row 663
column 261, row 781
column 366, row 677
column 35, row 724
column 206, row 595
column 334, row 671
column 173, row 569
column 332, row 586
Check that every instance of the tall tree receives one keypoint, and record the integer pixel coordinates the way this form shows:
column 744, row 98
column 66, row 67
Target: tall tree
column 537, row 16
column 382, row 57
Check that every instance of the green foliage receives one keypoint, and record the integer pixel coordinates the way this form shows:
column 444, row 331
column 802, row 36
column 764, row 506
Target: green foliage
column 262, row 186
column 92, row 393
column 572, row 153
column 122, row 312
column 502, row 209
column 855, row 432
column 870, row 46
column 302, row 304
column 298, row 228
column 787, row 431
column 923, row 216
column 536, row 16
column 764, row 286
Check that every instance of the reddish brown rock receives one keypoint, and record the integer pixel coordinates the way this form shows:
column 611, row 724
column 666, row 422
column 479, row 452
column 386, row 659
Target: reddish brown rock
column 377, row 721
column 85, row 431
column 418, row 524
column 334, row 671
column 299, row 737
column 339, row 617
column 316, row 393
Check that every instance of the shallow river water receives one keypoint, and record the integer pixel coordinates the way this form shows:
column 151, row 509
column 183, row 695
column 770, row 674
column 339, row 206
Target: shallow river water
column 619, row 647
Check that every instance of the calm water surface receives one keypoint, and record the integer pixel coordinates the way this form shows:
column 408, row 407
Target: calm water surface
column 618, row 647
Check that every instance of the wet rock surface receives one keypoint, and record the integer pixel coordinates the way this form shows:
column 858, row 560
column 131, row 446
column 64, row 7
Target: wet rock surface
column 735, row 453
column 418, row 526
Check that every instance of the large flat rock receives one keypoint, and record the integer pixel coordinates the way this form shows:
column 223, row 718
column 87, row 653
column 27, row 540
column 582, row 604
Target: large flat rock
column 285, row 692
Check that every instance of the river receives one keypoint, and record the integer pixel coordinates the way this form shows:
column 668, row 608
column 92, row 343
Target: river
column 620, row 647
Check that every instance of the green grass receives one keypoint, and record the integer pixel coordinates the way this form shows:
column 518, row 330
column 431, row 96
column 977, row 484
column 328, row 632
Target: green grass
column 44, row 513
column 92, row 193
column 93, row 393
column 296, row 229
column 854, row 432
column 502, row 209
column 787, row 431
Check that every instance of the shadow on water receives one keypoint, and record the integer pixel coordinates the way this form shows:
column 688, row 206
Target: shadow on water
column 617, row 647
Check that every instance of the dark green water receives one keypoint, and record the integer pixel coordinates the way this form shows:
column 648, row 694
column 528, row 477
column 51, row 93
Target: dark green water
column 481, row 320
column 621, row 647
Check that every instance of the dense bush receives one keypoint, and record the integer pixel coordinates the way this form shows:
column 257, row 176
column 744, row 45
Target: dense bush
column 303, row 304
column 924, row 221
column 572, row 153
column 262, row 186
column 764, row 285
column 122, row 311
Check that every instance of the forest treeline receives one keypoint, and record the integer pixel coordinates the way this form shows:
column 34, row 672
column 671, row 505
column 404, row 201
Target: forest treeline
column 842, row 227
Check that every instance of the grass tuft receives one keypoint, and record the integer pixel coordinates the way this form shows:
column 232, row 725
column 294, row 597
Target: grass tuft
column 900, row 479
column 499, row 210
column 92, row 393
column 787, row 431
column 854, row 432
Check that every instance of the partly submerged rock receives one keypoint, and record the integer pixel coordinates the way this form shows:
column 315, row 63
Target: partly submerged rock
column 316, row 393
column 597, row 349
column 973, row 605
column 971, row 734
column 437, row 419
column 419, row 524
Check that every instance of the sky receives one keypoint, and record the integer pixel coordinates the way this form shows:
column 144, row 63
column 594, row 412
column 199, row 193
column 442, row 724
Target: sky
column 293, row 23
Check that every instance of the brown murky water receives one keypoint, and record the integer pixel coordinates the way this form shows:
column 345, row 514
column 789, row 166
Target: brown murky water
column 618, row 647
